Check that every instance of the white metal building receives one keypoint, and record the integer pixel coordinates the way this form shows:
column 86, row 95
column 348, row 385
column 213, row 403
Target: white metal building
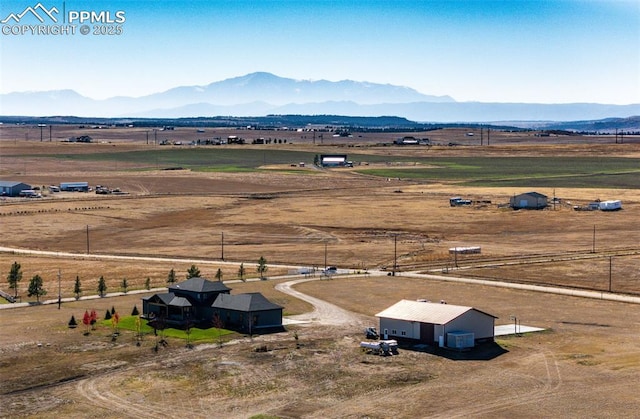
column 333, row 160
column 436, row 323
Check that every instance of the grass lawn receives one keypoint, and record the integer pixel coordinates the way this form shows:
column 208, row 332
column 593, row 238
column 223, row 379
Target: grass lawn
column 197, row 335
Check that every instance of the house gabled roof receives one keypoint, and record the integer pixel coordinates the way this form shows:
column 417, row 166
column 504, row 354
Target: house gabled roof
column 535, row 194
column 164, row 298
column 179, row 302
column 422, row 312
column 169, row 299
column 10, row 184
column 249, row 302
column 197, row 284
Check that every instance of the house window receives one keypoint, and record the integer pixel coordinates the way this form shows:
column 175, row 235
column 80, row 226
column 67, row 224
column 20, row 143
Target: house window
column 394, row 332
column 403, row 333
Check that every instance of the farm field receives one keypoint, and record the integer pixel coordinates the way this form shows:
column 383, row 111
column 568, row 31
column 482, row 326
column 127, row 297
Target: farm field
column 239, row 203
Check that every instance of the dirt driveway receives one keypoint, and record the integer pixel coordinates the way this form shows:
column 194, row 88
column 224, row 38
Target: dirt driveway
column 323, row 312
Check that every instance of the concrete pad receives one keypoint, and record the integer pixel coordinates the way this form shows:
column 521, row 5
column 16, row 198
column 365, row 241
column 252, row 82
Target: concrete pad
column 510, row 329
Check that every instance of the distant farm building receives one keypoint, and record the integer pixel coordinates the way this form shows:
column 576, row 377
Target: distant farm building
column 457, row 201
column 411, row 141
column 74, row 186
column 80, row 139
column 467, row 250
column 9, row 188
column 615, row 205
column 529, row 200
column 333, row 160
column 436, row 324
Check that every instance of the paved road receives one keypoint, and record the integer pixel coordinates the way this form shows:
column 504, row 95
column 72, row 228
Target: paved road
column 324, row 312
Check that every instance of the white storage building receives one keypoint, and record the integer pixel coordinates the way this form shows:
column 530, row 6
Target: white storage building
column 436, row 324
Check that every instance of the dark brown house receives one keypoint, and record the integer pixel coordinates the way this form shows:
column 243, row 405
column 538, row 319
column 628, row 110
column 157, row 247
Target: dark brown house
column 203, row 303
column 188, row 301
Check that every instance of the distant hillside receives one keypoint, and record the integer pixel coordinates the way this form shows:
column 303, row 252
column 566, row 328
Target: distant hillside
column 356, row 123
column 260, row 94
column 609, row 125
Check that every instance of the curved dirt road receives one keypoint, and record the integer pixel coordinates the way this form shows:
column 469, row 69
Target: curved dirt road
column 323, row 312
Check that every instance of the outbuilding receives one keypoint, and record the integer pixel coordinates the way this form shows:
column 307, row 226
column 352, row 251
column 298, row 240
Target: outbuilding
column 529, row 200
column 9, row 188
column 436, row 324
column 74, row 186
column 333, row 160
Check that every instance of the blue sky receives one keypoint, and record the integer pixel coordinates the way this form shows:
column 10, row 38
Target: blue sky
column 541, row 51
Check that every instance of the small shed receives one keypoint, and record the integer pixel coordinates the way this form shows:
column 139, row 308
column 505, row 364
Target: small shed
column 436, row 323
column 529, row 200
column 10, row 188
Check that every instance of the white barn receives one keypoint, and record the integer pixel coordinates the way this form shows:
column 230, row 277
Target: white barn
column 333, row 160
column 436, row 324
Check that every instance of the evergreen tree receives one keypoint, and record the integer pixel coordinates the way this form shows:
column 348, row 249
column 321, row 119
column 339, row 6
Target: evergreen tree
column 262, row 266
column 135, row 311
column 72, row 323
column 171, row 278
column 77, row 288
column 125, row 285
column 15, row 276
column 193, row 272
column 147, row 283
column 219, row 275
column 102, row 286
column 241, row 272
column 36, row 287
column 107, row 315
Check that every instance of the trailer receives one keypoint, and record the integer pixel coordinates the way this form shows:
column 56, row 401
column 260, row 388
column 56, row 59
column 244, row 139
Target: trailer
column 74, row 186
column 457, row 201
column 381, row 347
column 611, row 205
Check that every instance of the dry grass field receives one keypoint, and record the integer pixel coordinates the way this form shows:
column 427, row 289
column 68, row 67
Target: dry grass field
column 585, row 365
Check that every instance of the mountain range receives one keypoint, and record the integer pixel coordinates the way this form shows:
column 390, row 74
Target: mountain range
column 261, row 93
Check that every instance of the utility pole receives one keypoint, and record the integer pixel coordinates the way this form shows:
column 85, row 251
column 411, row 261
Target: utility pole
column 222, row 246
column 610, row 269
column 87, row 238
column 593, row 246
column 395, row 254
column 59, row 289
column 325, row 256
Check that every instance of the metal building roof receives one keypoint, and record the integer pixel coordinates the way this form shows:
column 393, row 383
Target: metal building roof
column 425, row 312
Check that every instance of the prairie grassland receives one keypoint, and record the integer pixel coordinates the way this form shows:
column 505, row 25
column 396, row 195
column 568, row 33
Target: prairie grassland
column 586, row 362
